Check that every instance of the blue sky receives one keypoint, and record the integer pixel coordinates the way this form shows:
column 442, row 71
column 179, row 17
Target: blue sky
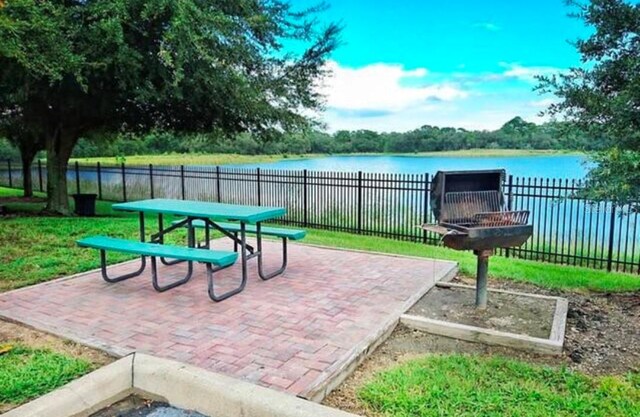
column 460, row 63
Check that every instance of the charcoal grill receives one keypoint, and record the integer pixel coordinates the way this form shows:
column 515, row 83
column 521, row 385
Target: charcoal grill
column 470, row 209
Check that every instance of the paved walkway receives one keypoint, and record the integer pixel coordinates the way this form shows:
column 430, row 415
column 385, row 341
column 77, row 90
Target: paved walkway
column 294, row 333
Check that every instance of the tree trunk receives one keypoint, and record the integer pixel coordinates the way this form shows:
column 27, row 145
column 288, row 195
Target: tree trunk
column 59, row 149
column 27, row 180
column 27, row 154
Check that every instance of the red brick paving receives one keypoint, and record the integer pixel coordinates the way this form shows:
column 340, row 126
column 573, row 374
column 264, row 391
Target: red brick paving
column 290, row 333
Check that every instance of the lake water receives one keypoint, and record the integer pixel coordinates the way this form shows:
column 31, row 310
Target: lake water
column 555, row 166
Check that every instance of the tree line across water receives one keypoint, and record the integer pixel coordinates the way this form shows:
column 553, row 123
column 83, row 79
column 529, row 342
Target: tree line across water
column 515, row 134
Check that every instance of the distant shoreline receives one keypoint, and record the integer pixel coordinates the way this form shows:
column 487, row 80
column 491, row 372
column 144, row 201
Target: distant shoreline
column 236, row 159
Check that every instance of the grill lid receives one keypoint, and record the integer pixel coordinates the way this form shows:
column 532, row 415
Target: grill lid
column 457, row 196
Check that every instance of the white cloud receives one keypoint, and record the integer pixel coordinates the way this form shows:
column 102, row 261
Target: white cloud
column 383, row 88
column 520, row 72
column 388, row 97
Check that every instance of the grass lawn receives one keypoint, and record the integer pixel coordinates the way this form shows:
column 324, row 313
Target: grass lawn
column 226, row 159
column 543, row 274
column 187, row 159
column 27, row 373
column 37, row 249
column 466, row 386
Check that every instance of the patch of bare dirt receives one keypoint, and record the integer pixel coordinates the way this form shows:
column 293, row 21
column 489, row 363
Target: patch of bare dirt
column 602, row 337
column 506, row 312
column 17, row 333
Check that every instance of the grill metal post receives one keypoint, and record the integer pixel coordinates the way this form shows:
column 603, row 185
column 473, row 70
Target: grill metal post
column 481, row 278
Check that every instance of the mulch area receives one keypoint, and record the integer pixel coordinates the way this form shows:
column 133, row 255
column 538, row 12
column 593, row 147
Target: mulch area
column 602, row 338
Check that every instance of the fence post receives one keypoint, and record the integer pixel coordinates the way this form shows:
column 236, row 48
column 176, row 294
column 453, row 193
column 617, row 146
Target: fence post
column 10, row 176
column 304, row 199
column 182, row 181
column 425, row 206
column 124, row 182
column 40, row 174
column 259, row 192
column 77, row 168
column 611, row 234
column 509, row 202
column 151, row 181
column 99, row 174
column 359, row 201
column 218, row 181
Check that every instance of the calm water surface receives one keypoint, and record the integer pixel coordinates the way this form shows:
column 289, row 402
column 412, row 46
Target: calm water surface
column 560, row 166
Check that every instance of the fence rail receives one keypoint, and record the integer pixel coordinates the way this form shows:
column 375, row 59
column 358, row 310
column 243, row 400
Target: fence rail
column 567, row 228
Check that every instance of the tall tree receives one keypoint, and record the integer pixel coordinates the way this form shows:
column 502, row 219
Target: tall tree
column 76, row 67
column 602, row 96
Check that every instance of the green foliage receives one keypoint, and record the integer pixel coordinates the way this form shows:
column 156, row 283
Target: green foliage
column 8, row 151
column 466, row 386
column 27, row 373
column 602, row 96
column 616, row 177
column 515, row 134
column 75, row 68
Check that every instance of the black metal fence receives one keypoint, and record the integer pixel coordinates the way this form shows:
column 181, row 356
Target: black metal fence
column 567, row 228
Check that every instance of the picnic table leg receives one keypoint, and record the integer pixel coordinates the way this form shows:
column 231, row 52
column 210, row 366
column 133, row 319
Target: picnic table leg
column 154, row 270
column 105, row 276
column 162, row 288
column 143, row 259
column 261, row 273
column 211, row 287
column 243, row 283
column 161, row 241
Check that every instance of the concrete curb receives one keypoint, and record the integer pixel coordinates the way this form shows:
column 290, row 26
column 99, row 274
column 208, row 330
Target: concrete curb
column 551, row 346
column 218, row 395
column 181, row 385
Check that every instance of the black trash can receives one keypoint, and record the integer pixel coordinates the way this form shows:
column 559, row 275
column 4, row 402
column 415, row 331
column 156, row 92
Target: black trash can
column 85, row 204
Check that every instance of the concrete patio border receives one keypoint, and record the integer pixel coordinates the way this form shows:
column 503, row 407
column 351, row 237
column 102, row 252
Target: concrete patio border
column 180, row 385
column 552, row 345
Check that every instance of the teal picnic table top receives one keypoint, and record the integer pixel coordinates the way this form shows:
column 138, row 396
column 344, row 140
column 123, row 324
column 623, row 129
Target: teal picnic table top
column 203, row 209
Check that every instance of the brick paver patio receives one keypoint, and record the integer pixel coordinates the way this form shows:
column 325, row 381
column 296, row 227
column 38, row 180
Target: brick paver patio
column 293, row 333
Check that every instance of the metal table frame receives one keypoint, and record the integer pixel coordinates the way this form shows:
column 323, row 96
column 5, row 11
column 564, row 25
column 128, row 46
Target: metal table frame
column 247, row 251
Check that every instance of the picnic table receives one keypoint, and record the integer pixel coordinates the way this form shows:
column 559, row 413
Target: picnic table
column 232, row 220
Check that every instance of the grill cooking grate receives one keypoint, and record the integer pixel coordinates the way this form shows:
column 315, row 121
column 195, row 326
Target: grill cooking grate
column 461, row 206
column 479, row 209
column 502, row 218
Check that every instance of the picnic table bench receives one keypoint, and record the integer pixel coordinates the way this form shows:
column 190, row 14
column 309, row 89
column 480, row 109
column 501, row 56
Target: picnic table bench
column 221, row 259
